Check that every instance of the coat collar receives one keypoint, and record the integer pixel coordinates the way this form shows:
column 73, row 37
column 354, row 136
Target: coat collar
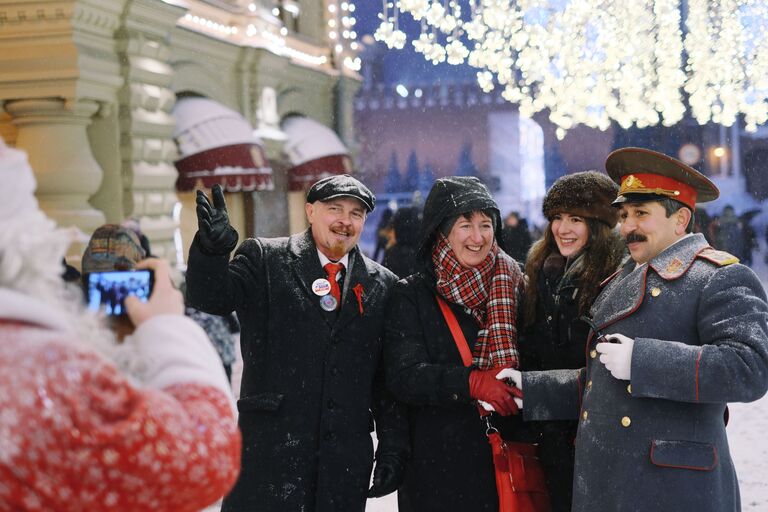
column 306, row 266
column 625, row 290
column 676, row 259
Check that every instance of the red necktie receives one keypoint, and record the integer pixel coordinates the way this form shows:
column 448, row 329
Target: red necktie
column 333, row 269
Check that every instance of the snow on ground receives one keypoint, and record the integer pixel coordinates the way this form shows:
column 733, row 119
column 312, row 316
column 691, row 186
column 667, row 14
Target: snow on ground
column 748, row 432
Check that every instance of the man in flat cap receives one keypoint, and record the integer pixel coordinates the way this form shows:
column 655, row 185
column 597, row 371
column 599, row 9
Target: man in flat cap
column 311, row 309
column 681, row 330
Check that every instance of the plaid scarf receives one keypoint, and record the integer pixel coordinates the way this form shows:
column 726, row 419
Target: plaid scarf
column 490, row 291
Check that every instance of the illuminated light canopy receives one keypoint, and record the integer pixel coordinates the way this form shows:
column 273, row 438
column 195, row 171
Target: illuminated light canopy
column 595, row 61
column 344, row 39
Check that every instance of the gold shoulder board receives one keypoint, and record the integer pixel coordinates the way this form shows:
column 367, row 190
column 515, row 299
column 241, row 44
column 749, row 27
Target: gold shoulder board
column 720, row 258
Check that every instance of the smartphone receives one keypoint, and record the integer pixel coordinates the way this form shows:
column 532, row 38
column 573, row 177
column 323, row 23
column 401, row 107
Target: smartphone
column 106, row 291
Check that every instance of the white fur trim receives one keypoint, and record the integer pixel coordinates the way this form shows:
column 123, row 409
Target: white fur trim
column 18, row 183
column 17, row 306
column 174, row 350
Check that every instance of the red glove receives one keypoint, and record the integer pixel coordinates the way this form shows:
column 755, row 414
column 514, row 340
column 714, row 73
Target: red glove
column 484, row 386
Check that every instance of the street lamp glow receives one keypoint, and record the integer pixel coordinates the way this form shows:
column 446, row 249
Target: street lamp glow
column 719, row 152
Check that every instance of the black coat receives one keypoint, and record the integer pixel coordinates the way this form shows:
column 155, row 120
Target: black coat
column 556, row 341
column 450, row 468
column 308, row 376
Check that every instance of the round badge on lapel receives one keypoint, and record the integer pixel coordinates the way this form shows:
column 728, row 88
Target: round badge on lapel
column 655, row 292
column 321, row 287
column 328, row 302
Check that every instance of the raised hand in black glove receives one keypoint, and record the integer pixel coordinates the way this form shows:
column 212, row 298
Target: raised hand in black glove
column 215, row 234
column 387, row 475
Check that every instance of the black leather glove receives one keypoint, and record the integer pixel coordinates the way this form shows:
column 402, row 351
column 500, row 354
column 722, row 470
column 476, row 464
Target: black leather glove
column 214, row 232
column 387, row 475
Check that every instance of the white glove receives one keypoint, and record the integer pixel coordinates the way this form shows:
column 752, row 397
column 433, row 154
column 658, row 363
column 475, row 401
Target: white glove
column 617, row 356
column 517, row 379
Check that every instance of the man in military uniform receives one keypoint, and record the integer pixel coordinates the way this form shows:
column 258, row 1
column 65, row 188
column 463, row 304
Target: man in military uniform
column 684, row 331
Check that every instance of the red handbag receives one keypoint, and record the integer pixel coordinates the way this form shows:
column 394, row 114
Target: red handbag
column 520, row 481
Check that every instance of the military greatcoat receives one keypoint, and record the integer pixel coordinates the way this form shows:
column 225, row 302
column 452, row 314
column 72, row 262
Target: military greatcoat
column 658, row 442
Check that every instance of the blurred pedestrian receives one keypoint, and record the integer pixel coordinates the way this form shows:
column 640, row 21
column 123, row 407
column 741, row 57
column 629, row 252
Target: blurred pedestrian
column 730, row 233
column 400, row 257
column 515, row 237
column 383, row 234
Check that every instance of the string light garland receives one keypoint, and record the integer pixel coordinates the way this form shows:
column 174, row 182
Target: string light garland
column 342, row 34
column 591, row 62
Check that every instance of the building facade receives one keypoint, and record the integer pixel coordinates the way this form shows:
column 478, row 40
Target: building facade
column 88, row 88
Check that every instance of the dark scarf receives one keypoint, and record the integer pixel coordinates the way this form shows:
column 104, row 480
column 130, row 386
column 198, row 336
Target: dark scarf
column 490, row 291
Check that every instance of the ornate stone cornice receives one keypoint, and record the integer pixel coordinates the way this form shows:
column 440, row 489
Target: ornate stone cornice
column 59, row 49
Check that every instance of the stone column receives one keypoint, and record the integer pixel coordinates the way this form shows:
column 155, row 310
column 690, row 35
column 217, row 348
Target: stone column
column 58, row 70
column 146, row 124
column 54, row 134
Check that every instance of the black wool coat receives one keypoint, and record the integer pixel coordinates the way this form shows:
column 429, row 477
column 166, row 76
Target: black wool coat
column 309, row 376
column 450, row 468
column 556, row 340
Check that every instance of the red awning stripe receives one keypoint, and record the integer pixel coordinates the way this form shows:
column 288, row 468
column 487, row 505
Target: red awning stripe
column 237, row 167
column 304, row 175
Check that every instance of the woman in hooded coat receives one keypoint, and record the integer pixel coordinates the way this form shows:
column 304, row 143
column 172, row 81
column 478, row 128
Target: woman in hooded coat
column 451, row 467
column 578, row 250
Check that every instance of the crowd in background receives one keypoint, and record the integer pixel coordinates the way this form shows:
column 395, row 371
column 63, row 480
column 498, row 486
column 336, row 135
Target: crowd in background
column 726, row 231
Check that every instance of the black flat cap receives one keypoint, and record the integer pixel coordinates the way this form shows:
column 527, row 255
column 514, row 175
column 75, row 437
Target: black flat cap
column 341, row 185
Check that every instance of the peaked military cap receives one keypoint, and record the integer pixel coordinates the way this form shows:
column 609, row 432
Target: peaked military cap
column 645, row 175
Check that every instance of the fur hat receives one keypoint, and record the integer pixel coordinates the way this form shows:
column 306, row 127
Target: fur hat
column 586, row 194
column 112, row 247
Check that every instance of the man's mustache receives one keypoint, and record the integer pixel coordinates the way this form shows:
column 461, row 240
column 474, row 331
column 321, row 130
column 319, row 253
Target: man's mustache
column 634, row 237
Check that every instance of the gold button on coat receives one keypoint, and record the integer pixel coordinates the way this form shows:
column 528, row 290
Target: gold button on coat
column 626, row 421
column 593, row 353
column 589, row 384
column 655, row 291
column 584, row 415
column 629, row 388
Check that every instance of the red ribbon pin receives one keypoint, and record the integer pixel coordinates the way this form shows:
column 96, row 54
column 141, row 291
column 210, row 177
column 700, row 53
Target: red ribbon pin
column 358, row 289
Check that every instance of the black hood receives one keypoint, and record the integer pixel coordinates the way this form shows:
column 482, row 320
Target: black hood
column 450, row 197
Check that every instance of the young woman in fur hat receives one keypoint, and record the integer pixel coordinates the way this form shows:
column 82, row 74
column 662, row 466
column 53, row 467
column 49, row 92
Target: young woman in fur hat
column 578, row 250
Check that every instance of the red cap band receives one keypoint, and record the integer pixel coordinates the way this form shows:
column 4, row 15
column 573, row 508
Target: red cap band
column 642, row 183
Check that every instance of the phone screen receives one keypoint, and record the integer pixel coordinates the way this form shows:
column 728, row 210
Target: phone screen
column 106, row 291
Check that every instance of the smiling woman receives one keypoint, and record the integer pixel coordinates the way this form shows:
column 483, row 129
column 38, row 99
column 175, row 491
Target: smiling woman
column 471, row 237
column 578, row 250
column 465, row 273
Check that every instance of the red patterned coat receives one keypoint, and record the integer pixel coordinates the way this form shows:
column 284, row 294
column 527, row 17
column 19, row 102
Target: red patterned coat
column 77, row 434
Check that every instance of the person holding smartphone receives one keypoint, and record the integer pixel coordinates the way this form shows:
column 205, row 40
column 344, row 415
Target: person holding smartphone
column 86, row 423
column 311, row 308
